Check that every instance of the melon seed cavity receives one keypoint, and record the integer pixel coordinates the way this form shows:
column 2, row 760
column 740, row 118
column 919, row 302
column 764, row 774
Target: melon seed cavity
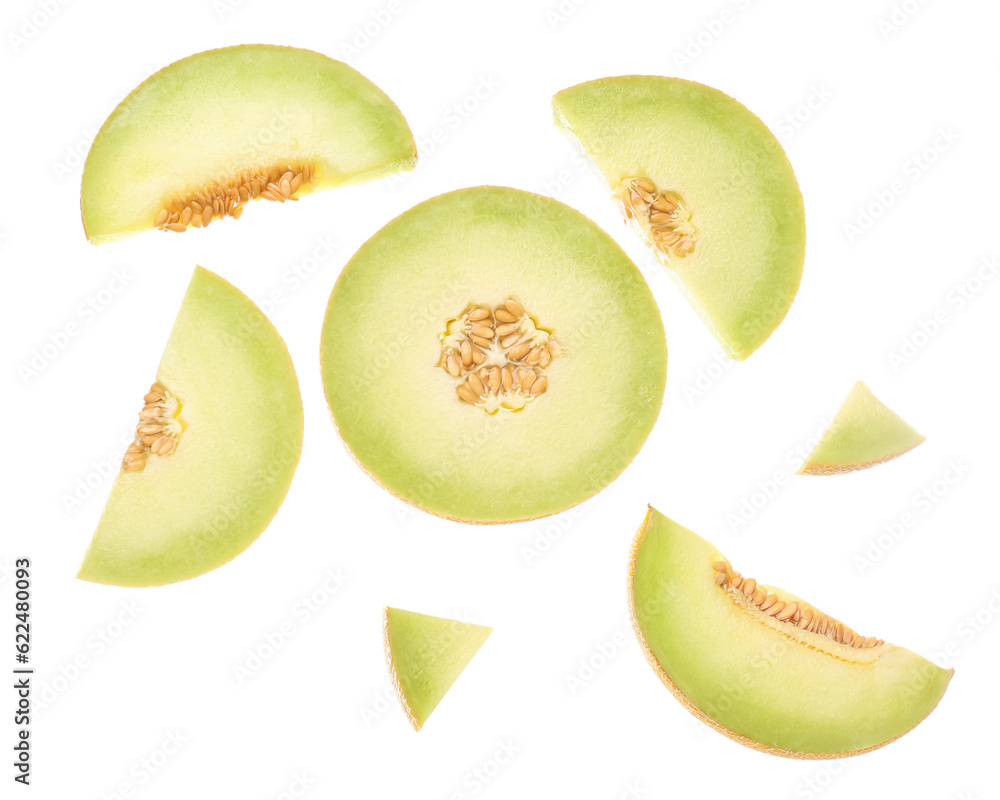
column 661, row 215
column 227, row 198
column 794, row 613
column 158, row 432
column 498, row 356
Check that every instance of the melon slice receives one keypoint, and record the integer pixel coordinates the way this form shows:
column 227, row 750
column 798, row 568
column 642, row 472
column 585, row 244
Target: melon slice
column 709, row 189
column 865, row 432
column 491, row 355
column 761, row 665
column 425, row 656
column 216, row 446
column 203, row 136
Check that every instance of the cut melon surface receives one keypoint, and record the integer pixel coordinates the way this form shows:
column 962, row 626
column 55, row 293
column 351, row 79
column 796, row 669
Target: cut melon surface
column 425, row 656
column 565, row 347
column 762, row 666
column 865, row 432
column 232, row 407
column 204, row 127
column 709, row 189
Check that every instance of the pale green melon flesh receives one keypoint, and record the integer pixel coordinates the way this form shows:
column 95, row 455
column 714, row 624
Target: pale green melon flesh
column 728, row 169
column 399, row 413
column 864, row 433
column 197, row 508
column 767, row 684
column 206, row 117
column 426, row 655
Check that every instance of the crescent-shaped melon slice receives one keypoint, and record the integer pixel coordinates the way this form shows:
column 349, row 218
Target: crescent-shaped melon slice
column 709, row 189
column 762, row 666
column 206, row 134
column 865, row 432
column 425, row 656
column 215, row 448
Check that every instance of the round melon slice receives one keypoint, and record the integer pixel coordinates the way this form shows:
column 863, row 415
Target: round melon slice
column 216, row 445
column 492, row 355
column 707, row 186
column 763, row 666
column 425, row 656
column 865, row 432
column 202, row 137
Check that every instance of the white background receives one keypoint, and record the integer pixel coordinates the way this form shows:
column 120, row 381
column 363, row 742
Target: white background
column 561, row 682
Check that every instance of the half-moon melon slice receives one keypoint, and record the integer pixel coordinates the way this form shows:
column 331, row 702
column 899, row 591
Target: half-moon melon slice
column 216, row 445
column 709, row 189
column 865, row 432
column 761, row 665
column 206, row 134
column 425, row 656
column 491, row 355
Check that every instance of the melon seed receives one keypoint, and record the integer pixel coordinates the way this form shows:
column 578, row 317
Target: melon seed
column 227, row 197
column 498, row 355
column 158, row 432
column 661, row 215
column 792, row 612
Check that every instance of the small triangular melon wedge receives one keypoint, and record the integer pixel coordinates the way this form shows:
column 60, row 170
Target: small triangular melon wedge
column 865, row 432
column 709, row 189
column 206, row 134
column 425, row 656
column 762, row 666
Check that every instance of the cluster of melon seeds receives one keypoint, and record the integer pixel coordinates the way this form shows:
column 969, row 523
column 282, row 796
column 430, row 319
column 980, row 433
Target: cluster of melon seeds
column 227, row 198
column 662, row 216
column 498, row 355
column 158, row 431
column 793, row 612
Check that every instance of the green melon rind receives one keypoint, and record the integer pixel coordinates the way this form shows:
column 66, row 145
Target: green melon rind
column 199, row 507
column 398, row 413
column 728, row 650
column 425, row 655
column 245, row 104
column 864, row 432
column 730, row 170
